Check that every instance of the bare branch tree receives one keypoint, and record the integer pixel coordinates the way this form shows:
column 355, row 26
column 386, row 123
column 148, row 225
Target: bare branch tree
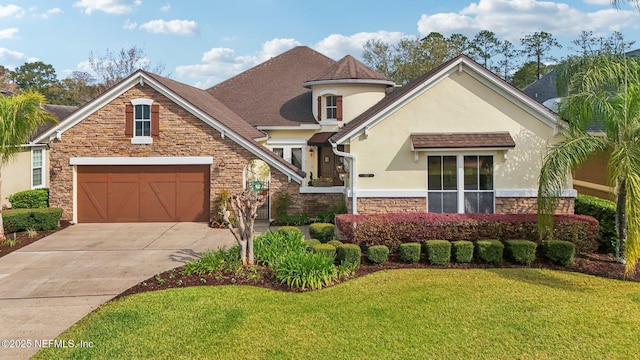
column 244, row 206
column 112, row 67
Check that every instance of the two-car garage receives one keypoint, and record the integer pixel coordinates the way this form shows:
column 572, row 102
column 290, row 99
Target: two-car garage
column 142, row 193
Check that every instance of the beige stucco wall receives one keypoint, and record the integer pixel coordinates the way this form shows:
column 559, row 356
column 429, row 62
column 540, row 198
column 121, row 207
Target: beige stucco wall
column 311, row 160
column 16, row 175
column 356, row 98
column 458, row 103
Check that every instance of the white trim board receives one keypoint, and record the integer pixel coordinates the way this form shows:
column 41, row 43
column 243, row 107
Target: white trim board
column 405, row 193
column 158, row 160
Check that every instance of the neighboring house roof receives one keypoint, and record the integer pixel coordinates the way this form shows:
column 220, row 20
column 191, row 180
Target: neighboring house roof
column 348, row 70
column 424, row 141
column 271, row 94
column 543, row 89
column 196, row 101
column 61, row 112
column 406, row 93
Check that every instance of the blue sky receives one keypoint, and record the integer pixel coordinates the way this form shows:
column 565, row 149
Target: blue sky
column 202, row 42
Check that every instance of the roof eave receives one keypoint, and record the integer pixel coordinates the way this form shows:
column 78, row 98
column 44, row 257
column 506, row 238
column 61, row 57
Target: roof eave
column 311, row 83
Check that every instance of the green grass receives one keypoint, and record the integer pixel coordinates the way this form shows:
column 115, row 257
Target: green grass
column 397, row 314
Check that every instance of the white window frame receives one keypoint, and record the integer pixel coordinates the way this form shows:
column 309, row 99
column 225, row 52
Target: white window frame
column 323, row 110
column 42, row 167
column 138, row 139
column 331, row 108
column 287, row 145
column 460, row 190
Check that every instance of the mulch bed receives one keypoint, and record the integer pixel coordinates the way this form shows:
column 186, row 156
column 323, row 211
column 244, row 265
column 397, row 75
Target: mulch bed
column 22, row 238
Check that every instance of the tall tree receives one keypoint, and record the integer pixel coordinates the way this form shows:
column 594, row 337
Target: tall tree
column 20, row 115
column 379, row 55
column 112, row 67
column 605, row 90
column 36, row 76
column 527, row 74
column 538, row 46
column 485, row 46
column 507, row 63
column 590, row 45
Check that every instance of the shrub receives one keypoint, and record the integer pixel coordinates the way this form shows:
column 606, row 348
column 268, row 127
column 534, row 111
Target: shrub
column 335, row 243
column 378, row 254
column 327, row 250
column 489, row 251
column 306, row 270
column 271, row 247
column 321, row 231
column 462, row 251
column 393, row 229
column 311, row 243
column 559, row 252
column 438, row 251
column 36, row 219
column 214, row 261
column 410, row 252
column 605, row 212
column 349, row 254
column 281, row 202
column 292, row 220
column 520, row 251
column 30, row 199
column 290, row 228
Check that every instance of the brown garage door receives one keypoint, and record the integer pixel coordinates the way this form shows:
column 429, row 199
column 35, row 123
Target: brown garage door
column 128, row 193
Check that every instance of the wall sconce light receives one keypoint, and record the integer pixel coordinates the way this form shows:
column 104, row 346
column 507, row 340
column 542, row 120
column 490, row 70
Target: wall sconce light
column 342, row 176
column 340, row 168
column 221, row 165
column 310, row 150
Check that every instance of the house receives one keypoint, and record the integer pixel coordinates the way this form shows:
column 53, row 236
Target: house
column 28, row 169
column 458, row 139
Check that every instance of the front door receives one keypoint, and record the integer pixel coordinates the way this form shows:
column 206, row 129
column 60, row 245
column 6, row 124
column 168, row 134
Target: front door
column 327, row 165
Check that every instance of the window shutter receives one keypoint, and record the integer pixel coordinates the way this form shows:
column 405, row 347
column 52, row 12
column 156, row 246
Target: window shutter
column 339, row 108
column 155, row 120
column 319, row 108
column 128, row 122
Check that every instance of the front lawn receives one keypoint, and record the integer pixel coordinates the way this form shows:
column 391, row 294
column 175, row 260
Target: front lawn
column 393, row 314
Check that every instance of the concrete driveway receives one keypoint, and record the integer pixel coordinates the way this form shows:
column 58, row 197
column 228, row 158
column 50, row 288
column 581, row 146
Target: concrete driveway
column 51, row 284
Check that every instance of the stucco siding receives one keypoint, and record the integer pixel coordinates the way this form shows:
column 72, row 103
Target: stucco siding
column 16, row 176
column 355, row 98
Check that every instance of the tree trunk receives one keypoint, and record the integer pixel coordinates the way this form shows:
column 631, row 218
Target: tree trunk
column 2, row 237
column 621, row 222
column 243, row 252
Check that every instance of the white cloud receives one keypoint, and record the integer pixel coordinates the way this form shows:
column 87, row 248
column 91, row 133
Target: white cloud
column 8, row 33
column 176, row 27
column 598, row 2
column 49, row 13
column 166, row 7
column 108, row 6
column 337, row 46
column 11, row 59
column 11, row 10
column 129, row 25
column 512, row 20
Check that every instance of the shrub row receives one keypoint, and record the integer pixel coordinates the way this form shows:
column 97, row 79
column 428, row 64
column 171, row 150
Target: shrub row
column 42, row 219
column 605, row 212
column 30, row 199
column 489, row 251
column 321, row 231
column 394, row 229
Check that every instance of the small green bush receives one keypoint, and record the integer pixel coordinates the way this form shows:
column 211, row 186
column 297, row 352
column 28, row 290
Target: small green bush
column 292, row 220
column 30, row 199
column 378, row 254
column 605, row 212
column 349, row 254
column 489, row 251
column 520, row 251
column 327, row 250
column 306, row 270
column 321, row 231
column 335, row 243
column 214, row 261
column 35, row 219
column 438, row 251
column 271, row 247
column 290, row 228
column 559, row 252
column 462, row 251
column 410, row 252
column 311, row 243
column 280, row 205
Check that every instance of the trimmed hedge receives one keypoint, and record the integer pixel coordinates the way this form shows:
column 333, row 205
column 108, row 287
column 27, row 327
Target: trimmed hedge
column 36, row 219
column 410, row 252
column 489, row 251
column 335, row 243
column 605, row 212
column 30, row 199
column 286, row 228
column 393, row 229
column 321, row 231
column 311, row 243
column 349, row 254
column 326, row 250
column 438, row 251
column 378, row 254
column 520, row 251
column 559, row 252
column 462, row 251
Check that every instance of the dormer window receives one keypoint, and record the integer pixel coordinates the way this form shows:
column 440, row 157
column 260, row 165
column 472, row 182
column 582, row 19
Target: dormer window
column 330, row 108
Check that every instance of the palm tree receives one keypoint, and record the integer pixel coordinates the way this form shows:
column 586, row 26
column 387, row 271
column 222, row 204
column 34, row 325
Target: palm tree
column 20, row 116
column 604, row 90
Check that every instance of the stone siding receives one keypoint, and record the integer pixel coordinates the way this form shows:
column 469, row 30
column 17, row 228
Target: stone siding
column 101, row 134
column 528, row 205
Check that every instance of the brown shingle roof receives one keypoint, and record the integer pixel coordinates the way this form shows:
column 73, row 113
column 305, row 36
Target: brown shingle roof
column 501, row 139
column 349, row 68
column 59, row 111
column 271, row 94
